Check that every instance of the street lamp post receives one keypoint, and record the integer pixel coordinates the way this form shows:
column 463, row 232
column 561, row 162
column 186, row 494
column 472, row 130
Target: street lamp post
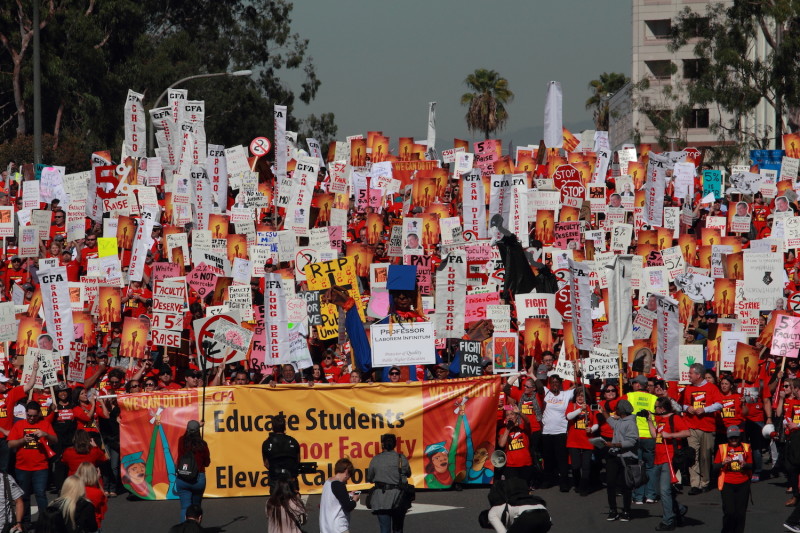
column 150, row 129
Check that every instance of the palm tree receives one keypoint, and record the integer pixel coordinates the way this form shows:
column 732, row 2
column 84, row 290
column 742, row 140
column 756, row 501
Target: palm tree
column 486, row 105
column 602, row 90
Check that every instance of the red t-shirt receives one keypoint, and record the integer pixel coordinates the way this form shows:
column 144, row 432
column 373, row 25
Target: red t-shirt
column 99, row 501
column 576, row 428
column 733, row 471
column 731, row 413
column 7, row 407
column 753, row 395
column 30, row 456
column 791, row 412
column 664, row 447
column 518, row 451
column 73, row 459
column 84, row 421
column 605, row 429
column 702, row 396
column 526, row 408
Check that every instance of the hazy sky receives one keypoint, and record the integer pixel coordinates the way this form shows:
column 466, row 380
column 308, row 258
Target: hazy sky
column 381, row 62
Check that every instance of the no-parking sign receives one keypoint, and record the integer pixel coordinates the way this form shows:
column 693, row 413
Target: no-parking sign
column 214, row 352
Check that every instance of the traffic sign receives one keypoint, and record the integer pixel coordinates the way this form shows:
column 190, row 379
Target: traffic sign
column 260, row 146
column 214, row 352
column 794, row 303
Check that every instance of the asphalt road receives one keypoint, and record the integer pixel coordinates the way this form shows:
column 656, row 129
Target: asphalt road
column 445, row 511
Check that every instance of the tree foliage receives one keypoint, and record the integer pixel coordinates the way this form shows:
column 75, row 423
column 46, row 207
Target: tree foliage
column 735, row 77
column 93, row 52
column 602, row 89
column 486, row 103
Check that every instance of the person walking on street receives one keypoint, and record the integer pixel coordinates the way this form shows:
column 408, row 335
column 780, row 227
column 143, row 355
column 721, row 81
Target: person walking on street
column 336, row 503
column 190, row 492
column 389, row 470
column 734, row 461
column 623, row 446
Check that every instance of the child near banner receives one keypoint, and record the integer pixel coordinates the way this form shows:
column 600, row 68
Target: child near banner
column 734, row 461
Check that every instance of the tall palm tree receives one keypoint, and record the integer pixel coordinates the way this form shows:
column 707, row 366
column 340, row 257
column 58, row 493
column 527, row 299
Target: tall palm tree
column 602, row 89
column 486, row 105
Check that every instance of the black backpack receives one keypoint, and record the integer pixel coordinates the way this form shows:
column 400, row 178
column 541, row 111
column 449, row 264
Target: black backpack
column 186, row 467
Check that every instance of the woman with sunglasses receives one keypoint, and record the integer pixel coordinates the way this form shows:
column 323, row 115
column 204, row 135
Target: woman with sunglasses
column 150, row 385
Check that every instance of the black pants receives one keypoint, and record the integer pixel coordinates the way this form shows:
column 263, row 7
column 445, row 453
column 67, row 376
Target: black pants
column 521, row 472
column 734, row 506
column 615, row 480
column 581, row 462
column 556, row 466
column 535, row 440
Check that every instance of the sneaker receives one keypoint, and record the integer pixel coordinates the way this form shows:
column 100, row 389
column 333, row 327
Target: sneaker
column 625, row 517
column 755, row 478
column 694, row 491
column 612, row 515
column 794, row 528
column 637, row 502
column 650, row 500
column 665, row 527
column 683, row 510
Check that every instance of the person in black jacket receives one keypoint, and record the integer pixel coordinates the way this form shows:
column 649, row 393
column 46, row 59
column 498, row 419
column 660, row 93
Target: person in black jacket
column 281, row 454
column 71, row 512
column 514, row 509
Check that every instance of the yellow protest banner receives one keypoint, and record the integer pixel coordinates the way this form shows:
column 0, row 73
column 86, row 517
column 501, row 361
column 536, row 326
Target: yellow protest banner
column 456, row 418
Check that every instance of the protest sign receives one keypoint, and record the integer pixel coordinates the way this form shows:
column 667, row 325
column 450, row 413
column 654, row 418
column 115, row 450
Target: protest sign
column 402, row 344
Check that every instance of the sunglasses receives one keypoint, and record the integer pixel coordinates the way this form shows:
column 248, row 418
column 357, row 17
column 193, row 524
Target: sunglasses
column 394, row 373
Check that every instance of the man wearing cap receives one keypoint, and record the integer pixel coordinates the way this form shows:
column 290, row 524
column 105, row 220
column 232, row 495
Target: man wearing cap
column 734, row 461
column 15, row 275
column 193, row 378
column 700, row 400
column 644, row 403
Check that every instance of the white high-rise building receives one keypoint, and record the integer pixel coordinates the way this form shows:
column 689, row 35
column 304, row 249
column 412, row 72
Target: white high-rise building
column 652, row 22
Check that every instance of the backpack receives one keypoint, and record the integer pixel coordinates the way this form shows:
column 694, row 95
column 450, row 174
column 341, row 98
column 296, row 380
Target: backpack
column 186, row 467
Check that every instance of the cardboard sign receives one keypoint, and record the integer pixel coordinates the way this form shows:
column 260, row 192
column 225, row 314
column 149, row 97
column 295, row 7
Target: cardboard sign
column 471, row 352
column 402, row 344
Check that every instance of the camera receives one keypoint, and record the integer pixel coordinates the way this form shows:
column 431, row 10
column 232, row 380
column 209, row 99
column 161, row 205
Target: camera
column 644, row 413
column 308, row 467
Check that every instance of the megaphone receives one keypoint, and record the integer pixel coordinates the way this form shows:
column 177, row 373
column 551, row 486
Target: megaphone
column 768, row 431
column 498, row 458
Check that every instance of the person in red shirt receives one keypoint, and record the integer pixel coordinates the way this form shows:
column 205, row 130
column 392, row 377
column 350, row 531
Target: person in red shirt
column 135, row 299
column 9, row 396
column 530, row 406
column 73, row 267
column 89, row 251
column 734, row 460
column 514, row 439
column 32, row 439
column 700, row 400
column 669, row 430
column 733, row 409
column 15, row 275
column 82, row 452
column 165, row 379
column 582, row 422
column 87, row 412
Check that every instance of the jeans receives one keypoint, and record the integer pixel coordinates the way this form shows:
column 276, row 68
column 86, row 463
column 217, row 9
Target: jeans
column 665, row 491
column 391, row 521
column 110, row 470
column 33, row 482
column 190, row 493
column 647, row 453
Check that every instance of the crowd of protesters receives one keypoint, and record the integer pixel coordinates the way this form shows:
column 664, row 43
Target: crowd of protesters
column 571, row 431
